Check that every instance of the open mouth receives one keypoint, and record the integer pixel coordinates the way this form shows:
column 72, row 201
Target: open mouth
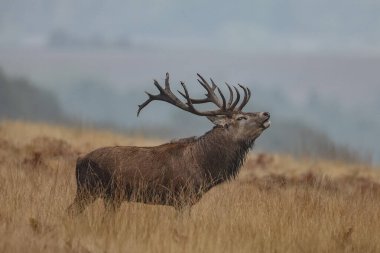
column 266, row 123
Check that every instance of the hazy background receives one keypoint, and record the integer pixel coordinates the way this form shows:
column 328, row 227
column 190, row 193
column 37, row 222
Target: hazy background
column 315, row 65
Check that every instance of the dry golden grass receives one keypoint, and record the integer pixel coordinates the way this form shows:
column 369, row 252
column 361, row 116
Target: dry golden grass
column 277, row 204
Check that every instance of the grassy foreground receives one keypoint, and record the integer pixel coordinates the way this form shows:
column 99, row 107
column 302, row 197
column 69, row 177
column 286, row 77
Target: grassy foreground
column 277, row 204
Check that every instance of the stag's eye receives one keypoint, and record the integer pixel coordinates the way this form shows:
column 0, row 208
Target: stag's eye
column 241, row 118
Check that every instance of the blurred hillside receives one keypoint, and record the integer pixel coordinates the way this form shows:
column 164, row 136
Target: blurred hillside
column 104, row 108
column 22, row 100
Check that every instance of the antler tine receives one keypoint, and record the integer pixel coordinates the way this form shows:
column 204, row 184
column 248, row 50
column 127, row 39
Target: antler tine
column 231, row 96
column 167, row 95
column 220, row 93
column 247, row 95
column 214, row 86
column 236, row 101
column 167, row 85
column 164, row 95
column 210, row 90
column 210, row 96
column 150, row 99
column 223, row 99
column 204, row 83
column 201, row 100
column 188, row 99
column 190, row 103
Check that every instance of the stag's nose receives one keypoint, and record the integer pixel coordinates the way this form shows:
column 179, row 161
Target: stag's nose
column 266, row 114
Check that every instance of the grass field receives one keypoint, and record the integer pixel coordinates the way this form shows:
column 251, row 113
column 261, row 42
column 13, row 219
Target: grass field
column 277, row 204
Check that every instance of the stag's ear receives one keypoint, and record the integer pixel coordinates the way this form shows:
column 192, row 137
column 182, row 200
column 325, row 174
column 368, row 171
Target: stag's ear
column 219, row 120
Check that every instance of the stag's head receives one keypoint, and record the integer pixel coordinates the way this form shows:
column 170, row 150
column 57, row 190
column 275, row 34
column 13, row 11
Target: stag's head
column 243, row 126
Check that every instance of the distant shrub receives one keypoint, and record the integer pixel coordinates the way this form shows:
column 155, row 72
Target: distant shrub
column 20, row 99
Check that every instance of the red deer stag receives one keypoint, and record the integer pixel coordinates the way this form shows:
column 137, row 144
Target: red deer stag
column 179, row 172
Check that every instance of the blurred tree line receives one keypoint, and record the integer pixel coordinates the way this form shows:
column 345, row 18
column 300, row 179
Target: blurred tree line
column 21, row 100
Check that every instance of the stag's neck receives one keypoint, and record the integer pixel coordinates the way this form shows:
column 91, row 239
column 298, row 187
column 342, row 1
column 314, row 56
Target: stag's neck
column 220, row 155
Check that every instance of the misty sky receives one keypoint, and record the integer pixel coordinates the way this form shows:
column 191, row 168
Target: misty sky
column 247, row 25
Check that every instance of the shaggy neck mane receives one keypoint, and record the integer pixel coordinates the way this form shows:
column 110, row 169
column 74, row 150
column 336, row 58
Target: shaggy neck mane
column 220, row 155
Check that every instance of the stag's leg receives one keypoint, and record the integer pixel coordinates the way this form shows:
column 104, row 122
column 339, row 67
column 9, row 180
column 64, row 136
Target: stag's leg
column 183, row 205
column 111, row 205
column 186, row 197
column 113, row 198
column 85, row 182
column 182, row 211
column 82, row 199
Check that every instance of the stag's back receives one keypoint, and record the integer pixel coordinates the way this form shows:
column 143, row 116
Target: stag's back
column 166, row 165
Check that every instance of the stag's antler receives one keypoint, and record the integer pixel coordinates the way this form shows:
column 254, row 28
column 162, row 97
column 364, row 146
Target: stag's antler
column 224, row 108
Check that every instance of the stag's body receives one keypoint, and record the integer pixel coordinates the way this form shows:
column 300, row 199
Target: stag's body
column 175, row 174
